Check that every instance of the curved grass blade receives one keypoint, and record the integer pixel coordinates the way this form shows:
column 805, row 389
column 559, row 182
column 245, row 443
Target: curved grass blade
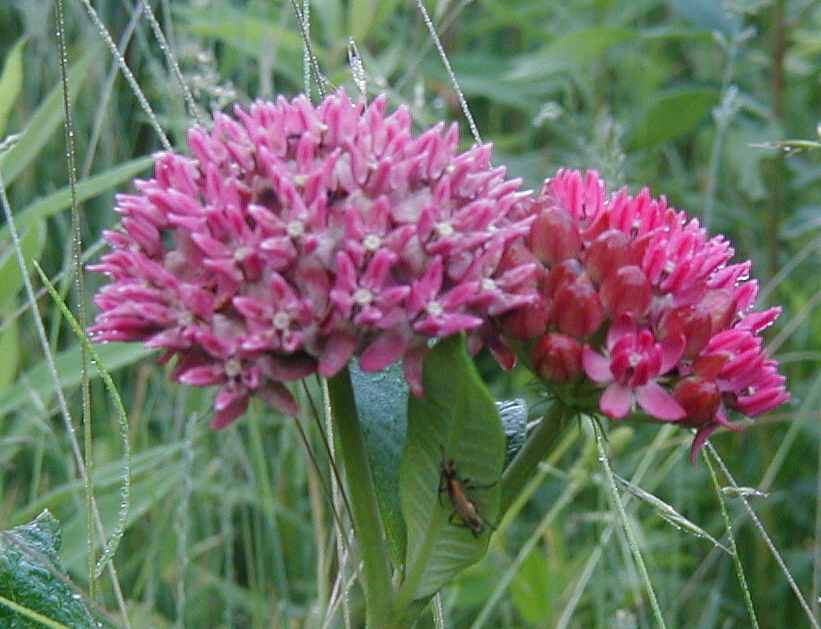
column 113, row 542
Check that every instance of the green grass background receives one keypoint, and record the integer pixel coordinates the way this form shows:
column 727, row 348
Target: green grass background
column 234, row 528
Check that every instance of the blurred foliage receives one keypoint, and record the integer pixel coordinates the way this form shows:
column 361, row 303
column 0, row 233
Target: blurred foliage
column 693, row 97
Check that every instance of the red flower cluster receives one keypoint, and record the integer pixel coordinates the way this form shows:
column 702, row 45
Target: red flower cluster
column 636, row 297
column 298, row 236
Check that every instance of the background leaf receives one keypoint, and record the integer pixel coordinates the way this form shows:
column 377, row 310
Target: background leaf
column 11, row 81
column 671, row 115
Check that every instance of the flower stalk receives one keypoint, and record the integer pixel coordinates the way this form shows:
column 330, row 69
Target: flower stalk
column 365, row 509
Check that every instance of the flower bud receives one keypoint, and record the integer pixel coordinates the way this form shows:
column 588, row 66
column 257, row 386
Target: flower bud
column 554, row 236
column 564, row 273
column 577, row 310
column 700, row 398
column 627, row 291
column 528, row 322
column 558, row 358
column 607, row 253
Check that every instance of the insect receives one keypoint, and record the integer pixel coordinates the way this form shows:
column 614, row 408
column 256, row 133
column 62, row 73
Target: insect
column 463, row 505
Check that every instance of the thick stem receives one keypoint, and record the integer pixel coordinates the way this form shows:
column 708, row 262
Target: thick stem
column 536, row 448
column 364, row 507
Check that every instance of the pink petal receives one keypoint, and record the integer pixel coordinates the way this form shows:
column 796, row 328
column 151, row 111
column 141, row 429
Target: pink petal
column 616, row 400
column 701, row 438
column 385, row 350
column 596, row 366
column 672, row 349
column 412, row 364
column 230, row 404
column 658, row 402
column 203, row 376
column 338, row 351
column 277, row 396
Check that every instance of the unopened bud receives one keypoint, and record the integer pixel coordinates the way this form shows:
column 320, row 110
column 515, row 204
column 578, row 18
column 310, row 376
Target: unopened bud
column 627, row 291
column 554, row 236
column 558, row 358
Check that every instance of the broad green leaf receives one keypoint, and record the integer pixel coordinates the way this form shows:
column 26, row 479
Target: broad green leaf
column 456, row 420
column 673, row 114
column 45, row 120
column 86, row 189
column 382, row 405
column 31, row 244
column 513, row 414
column 37, row 380
column 574, row 49
column 11, row 81
column 32, row 576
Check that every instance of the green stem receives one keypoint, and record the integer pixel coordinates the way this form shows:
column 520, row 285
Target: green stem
column 365, row 510
column 537, row 447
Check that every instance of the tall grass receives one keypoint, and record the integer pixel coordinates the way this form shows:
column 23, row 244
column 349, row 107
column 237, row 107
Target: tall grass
column 235, row 528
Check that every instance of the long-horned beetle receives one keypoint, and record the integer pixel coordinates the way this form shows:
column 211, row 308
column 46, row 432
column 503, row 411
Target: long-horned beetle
column 463, row 505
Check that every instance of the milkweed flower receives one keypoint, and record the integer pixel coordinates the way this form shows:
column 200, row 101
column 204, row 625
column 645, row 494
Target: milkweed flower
column 297, row 236
column 641, row 310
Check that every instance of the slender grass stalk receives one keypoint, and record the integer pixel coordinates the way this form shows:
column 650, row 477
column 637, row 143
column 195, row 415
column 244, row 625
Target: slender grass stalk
column 79, row 295
column 171, row 60
column 765, row 536
column 106, row 91
column 739, row 568
column 31, row 614
column 321, row 80
column 449, row 69
column 628, row 530
column 342, row 549
column 129, row 76
column 362, row 494
column 816, row 563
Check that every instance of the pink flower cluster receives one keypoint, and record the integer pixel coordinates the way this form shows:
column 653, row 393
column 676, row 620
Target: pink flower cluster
column 298, row 236
column 636, row 297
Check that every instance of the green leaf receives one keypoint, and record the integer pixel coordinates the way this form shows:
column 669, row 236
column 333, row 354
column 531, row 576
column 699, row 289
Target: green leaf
column 365, row 15
column 11, row 81
column 247, row 33
column 45, row 120
column 707, row 14
column 673, row 114
column 10, row 352
column 578, row 48
column 456, row 418
column 32, row 576
column 36, row 382
column 31, row 244
column 382, row 405
column 86, row 189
